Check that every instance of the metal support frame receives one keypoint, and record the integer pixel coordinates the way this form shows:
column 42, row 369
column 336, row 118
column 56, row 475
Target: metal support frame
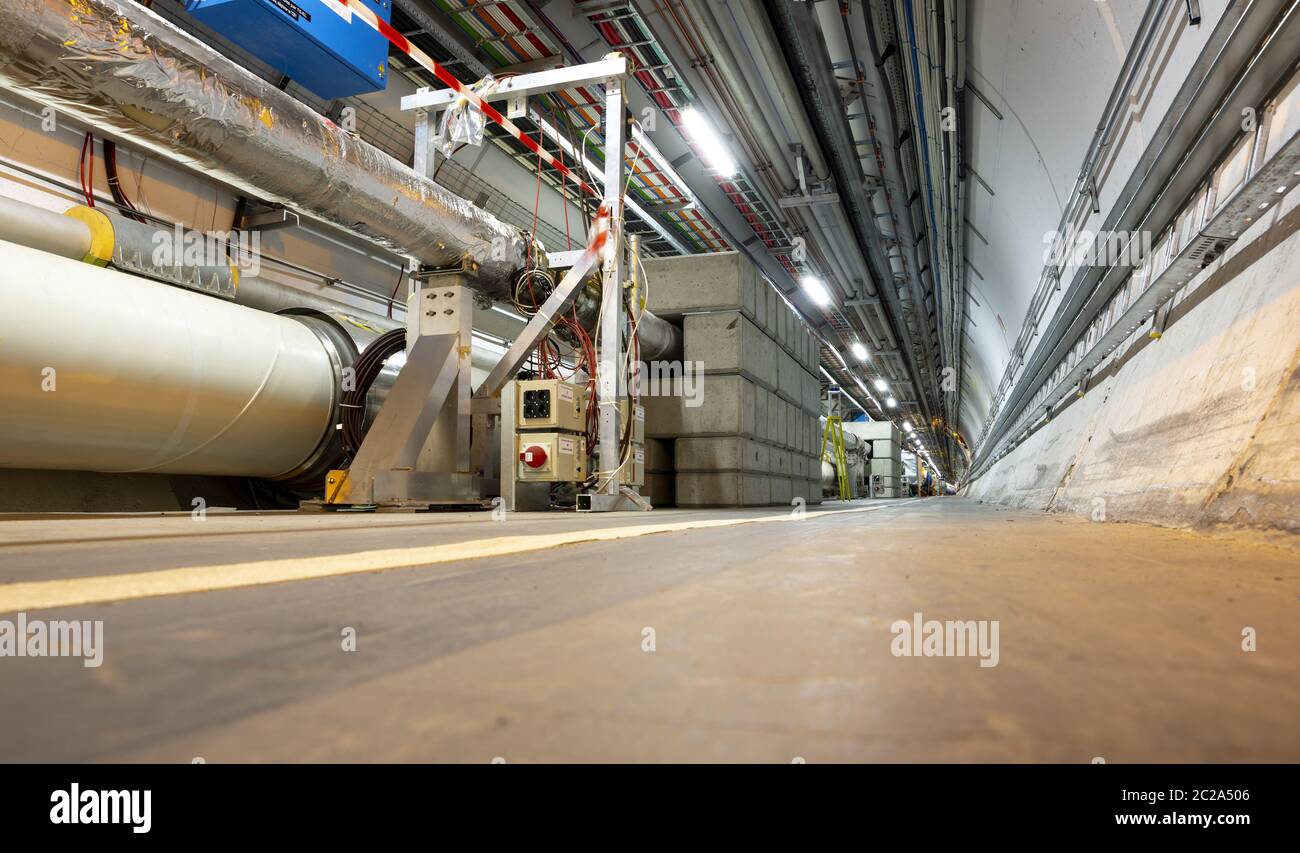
column 427, row 102
column 610, row 492
column 417, row 452
column 541, row 82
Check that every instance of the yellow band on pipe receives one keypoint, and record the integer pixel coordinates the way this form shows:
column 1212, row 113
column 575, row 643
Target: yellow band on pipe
column 101, row 234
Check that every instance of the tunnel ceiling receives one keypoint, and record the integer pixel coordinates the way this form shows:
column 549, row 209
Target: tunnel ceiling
column 1048, row 69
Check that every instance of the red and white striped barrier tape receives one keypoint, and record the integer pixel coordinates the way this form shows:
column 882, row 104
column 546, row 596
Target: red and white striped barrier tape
column 399, row 41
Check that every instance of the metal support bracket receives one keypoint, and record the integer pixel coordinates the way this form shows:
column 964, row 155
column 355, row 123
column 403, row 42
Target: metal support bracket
column 268, row 217
column 417, row 452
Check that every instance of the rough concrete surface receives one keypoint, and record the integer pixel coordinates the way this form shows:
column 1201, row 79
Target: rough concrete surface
column 1197, row 429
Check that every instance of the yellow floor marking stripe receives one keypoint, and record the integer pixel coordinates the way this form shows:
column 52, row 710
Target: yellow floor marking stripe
column 68, row 592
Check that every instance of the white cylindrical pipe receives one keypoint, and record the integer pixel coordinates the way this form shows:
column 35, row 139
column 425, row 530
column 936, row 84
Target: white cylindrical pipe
column 43, row 229
column 103, row 371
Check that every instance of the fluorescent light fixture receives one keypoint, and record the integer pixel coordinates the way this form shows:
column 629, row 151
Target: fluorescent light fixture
column 881, row 386
column 907, row 426
column 859, row 350
column 816, row 290
column 703, row 135
column 891, row 403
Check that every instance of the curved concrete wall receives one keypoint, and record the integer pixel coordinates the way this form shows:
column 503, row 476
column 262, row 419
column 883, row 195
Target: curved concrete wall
column 1196, row 429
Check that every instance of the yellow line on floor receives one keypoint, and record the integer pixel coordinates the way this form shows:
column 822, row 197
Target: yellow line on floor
column 68, row 592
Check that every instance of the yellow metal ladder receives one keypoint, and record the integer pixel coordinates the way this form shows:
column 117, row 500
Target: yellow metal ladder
column 834, row 434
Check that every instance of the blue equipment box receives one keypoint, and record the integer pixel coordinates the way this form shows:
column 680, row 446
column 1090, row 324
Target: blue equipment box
column 317, row 43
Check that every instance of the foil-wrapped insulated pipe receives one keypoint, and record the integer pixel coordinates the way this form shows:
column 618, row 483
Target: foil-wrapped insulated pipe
column 128, row 73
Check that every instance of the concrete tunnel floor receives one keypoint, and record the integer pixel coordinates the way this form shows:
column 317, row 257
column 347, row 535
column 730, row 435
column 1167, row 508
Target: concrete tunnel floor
column 771, row 641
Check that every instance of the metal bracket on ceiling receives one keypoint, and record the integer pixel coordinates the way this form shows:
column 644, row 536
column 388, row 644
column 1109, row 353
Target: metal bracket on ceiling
column 267, row 217
column 808, row 194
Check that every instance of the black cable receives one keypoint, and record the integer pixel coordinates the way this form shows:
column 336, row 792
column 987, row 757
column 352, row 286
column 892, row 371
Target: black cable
column 115, row 184
column 366, row 370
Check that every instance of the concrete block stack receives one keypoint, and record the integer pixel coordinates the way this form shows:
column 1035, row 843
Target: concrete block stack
column 886, row 474
column 754, row 438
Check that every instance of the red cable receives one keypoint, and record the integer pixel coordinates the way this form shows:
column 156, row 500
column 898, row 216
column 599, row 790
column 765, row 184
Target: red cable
column 87, row 177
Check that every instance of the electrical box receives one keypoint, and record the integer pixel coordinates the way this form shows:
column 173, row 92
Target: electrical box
column 551, row 404
column 320, row 44
column 638, row 422
column 551, row 457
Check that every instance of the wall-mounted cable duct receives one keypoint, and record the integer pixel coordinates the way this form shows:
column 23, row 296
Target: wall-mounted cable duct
column 126, row 72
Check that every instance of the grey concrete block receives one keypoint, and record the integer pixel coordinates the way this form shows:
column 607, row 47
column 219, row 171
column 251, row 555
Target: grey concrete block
column 809, row 394
column 762, row 426
column 781, row 490
column 782, row 420
column 663, row 412
column 728, row 342
column 775, row 418
column 887, row 467
column 795, row 419
column 781, row 462
column 727, row 408
column 766, row 350
column 723, row 453
column 881, row 448
column 718, row 281
column 789, row 377
column 773, row 300
column 725, row 489
column 874, row 429
column 659, row 456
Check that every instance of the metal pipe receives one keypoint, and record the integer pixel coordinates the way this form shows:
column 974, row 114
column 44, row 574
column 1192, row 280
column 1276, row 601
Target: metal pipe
column 29, row 225
column 104, row 371
column 128, row 73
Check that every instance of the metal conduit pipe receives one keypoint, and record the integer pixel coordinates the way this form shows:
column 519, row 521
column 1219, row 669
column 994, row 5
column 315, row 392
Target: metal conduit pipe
column 104, row 371
column 798, row 36
column 126, row 72
column 791, row 103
